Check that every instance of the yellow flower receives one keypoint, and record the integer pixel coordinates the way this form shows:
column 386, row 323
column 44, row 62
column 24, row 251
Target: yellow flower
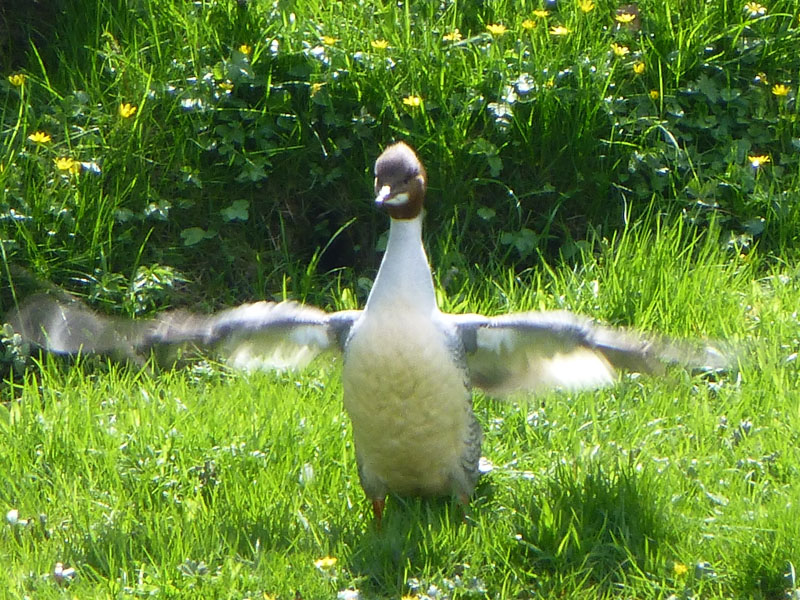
column 65, row 163
column 496, row 29
column 528, row 24
column 454, row 36
column 759, row 160
column 245, row 49
column 40, row 137
column 680, row 569
column 412, row 101
column 619, row 50
column 225, row 86
column 586, row 5
column 127, row 110
column 327, row 562
column 654, row 94
column 625, row 18
column 316, row 87
column 329, row 40
column 639, row 67
column 379, row 44
column 754, row 9
column 780, row 90
column 17, row 80
column 559, row 30
column 541, row 13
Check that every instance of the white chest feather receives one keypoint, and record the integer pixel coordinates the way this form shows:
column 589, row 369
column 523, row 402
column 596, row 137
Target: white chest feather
column 408, row 402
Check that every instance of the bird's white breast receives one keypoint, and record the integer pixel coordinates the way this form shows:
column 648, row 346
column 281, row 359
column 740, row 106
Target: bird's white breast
column 409, row 403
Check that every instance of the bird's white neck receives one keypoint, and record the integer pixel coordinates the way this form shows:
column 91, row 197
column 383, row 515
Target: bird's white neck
column 404, row 281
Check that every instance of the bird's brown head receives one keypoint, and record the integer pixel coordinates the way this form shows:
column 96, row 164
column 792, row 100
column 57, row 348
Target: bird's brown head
column 400, row 182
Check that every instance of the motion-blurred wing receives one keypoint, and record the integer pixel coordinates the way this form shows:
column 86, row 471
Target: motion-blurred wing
column 541, row 350
column 262, row 335
column 69, row 327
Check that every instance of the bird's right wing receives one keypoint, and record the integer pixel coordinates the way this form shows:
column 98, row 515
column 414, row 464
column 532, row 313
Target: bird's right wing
column 261, row 335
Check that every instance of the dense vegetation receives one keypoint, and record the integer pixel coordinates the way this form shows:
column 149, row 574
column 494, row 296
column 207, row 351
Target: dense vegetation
column 637, row 163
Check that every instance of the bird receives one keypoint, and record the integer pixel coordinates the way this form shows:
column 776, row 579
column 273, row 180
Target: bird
column 408, row 368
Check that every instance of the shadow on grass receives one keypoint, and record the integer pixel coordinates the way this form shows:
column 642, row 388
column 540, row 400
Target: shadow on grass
column 596, row 525
column 412, row 533
column 578, row 530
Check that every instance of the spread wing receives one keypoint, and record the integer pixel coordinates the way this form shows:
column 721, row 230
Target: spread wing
column 535, row 351
column 261, row 335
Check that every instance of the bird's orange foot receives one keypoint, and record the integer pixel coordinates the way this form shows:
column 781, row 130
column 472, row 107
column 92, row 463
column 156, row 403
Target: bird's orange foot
column 377, row 510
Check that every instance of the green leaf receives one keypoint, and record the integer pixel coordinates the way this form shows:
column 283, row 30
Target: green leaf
column 495, row 165
column 486, row 213
column 729, row 94
column 193, row 235
column 238, row 211
column 708, row 88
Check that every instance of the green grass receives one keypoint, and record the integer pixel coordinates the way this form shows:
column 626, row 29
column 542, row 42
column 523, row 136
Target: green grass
column 202, row 483
column 237, row 167
column 557, row 180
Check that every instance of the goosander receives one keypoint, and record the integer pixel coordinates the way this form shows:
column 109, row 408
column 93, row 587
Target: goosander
column 408, row 368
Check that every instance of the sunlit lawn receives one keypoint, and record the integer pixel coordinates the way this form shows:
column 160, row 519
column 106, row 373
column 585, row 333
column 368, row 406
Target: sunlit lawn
column 640, row 166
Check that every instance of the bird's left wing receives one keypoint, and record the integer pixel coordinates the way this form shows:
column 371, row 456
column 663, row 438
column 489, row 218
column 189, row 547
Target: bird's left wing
column 261, row 335
column 535, row 351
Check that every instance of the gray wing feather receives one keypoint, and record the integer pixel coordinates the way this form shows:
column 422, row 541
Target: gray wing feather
column 68, row 327
column 535, row 351
column 261, row 335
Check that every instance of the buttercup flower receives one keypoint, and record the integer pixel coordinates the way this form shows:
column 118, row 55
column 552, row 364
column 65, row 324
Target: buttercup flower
column 625, row 18
column 379, row 44
column 412, row 101
column 329, row 40
column 759, row 161
column 245, row 49
column 559, row 30
column 541, row 13
column 528, row 24
column 780, row 90
column 453, row 36
column 586, row 5
column 127, row 110
column 496, row 29
column 225, row 86
column 754, row 9
column 65, row 163
column 654, row 94
column 40, row 137
column 326, row 562
column 680, row 569
column 639, row 67
column 619, row 50
column 17, row 80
